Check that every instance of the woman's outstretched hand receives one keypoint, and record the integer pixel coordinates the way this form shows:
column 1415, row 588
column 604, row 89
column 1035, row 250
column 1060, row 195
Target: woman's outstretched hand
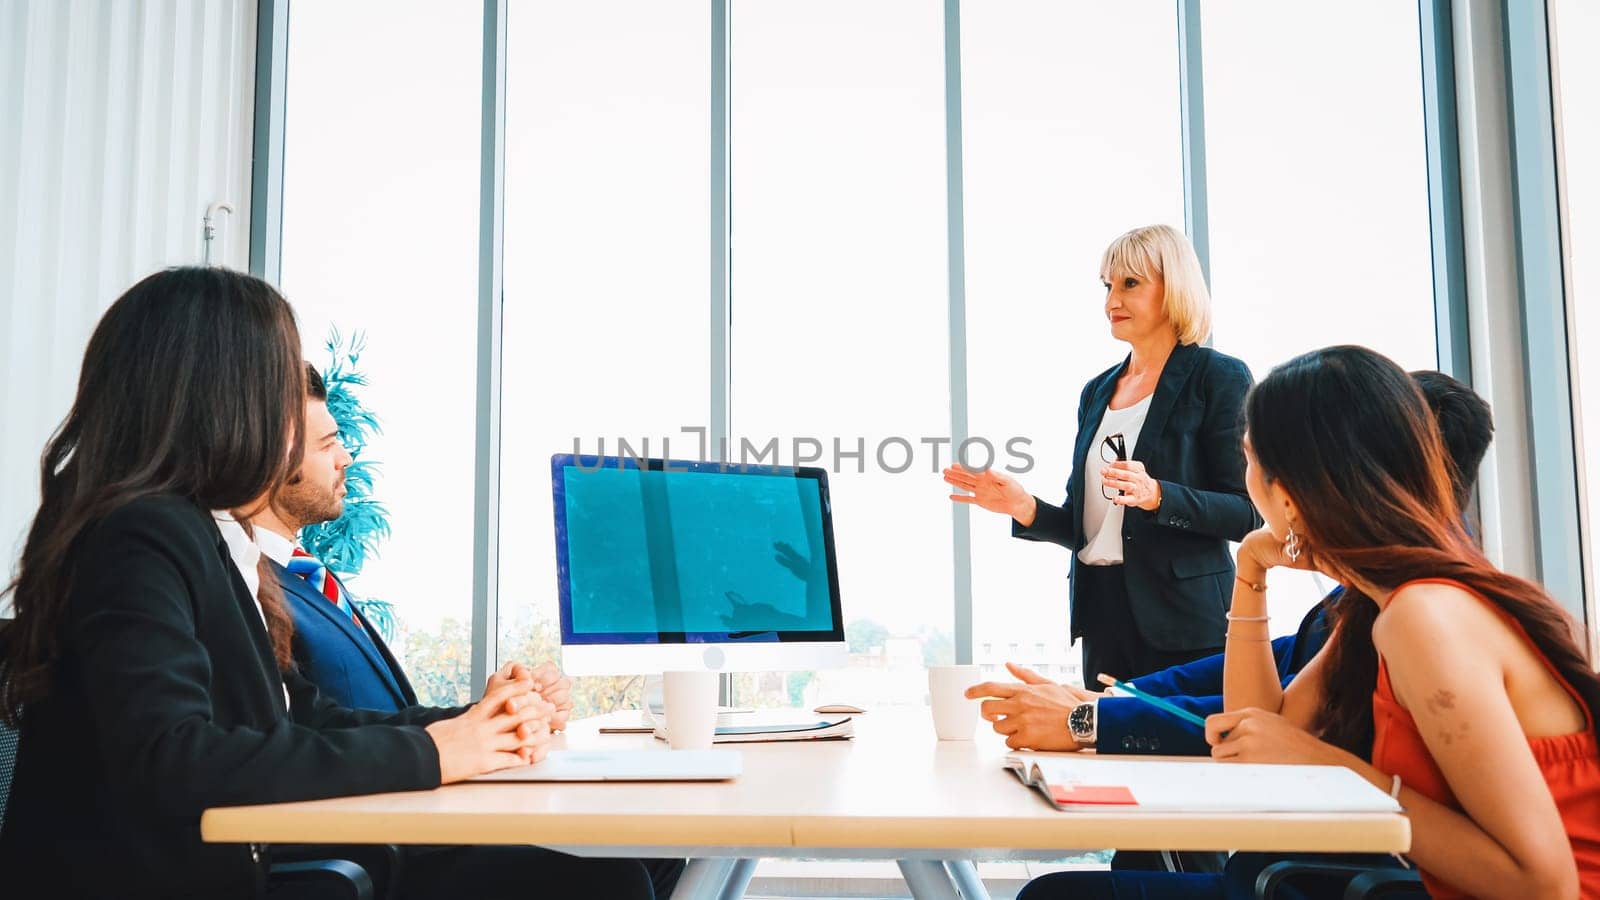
column 993, row 491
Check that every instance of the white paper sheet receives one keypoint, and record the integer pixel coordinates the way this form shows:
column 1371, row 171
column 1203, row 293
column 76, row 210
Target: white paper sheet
column 1206, row 786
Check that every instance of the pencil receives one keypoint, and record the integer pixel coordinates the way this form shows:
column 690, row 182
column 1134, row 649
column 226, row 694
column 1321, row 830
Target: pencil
column 1155, row 701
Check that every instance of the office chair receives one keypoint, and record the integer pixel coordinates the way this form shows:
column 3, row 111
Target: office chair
column 8, row 758
column 1364, row 882
column 323, row 879
column 379, row 864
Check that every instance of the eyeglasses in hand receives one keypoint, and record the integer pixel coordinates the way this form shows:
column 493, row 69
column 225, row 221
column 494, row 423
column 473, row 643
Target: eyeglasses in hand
column 1114, row 448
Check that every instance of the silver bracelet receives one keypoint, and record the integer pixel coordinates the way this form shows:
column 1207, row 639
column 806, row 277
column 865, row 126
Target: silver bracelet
column 1233, row 618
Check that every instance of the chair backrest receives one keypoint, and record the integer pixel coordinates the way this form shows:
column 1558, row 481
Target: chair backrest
column 8, row 764
column 8, row 737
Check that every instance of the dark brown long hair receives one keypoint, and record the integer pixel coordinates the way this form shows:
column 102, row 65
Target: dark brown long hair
column 192, row 385
column 1349, row 436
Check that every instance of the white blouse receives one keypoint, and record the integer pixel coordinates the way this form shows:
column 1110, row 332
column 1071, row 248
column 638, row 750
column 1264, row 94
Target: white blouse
column 245, row 553
column 1102, row 519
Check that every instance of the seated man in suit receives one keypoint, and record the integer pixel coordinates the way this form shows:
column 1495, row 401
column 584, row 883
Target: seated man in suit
column 1036, row 714
column 335, row 646
column 339, row 651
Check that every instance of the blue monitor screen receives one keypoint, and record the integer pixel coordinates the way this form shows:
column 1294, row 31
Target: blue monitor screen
column 692, row 552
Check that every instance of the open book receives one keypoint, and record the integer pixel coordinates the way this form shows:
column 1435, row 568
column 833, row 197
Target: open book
column 1084, row 782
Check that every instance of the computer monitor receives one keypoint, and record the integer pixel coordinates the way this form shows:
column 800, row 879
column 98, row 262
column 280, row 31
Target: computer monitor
column 667, row 565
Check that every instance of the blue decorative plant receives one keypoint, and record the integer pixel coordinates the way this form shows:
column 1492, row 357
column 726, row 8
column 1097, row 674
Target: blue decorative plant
column 345, row 543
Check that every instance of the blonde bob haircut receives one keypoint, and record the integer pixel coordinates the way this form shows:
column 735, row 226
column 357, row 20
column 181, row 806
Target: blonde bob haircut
column 1161, row 250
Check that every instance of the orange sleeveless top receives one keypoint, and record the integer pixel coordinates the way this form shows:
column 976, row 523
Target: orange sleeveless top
column 1570, row 764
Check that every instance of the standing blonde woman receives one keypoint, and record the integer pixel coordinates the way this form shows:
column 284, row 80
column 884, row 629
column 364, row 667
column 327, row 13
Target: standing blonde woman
column 1157, row 486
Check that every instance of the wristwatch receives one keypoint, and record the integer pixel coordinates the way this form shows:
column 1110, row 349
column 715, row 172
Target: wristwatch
column 1081, row 722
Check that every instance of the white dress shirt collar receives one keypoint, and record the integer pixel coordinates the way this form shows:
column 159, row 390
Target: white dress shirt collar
column 277, row 547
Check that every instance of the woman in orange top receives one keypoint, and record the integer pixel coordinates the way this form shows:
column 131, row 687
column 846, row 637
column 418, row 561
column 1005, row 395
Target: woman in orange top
column 1466, row 687
column 1467, row 684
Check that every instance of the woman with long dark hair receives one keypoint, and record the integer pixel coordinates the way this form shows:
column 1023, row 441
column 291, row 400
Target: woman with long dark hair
column 1462, row 689
column 148, row 664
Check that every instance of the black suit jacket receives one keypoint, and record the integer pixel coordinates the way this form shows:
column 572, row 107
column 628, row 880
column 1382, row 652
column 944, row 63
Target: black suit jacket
column 166, row 702
column 1176, row 563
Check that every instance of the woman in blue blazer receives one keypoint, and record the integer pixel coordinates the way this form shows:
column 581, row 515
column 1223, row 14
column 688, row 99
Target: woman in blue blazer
column 1157, row 485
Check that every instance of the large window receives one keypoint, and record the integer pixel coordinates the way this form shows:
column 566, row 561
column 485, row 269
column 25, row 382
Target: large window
column 1071, row 138
column 381, row 241
column 840, row 308
column 1318, row 191
column 606, row 328
column 839, row 341
column 1575, row 31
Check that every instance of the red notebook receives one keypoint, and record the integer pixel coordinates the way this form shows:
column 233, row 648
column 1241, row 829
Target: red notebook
column 1070, row 794
column 1090, row 795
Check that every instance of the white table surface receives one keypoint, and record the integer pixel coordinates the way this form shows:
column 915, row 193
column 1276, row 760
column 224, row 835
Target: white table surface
column 892, row 792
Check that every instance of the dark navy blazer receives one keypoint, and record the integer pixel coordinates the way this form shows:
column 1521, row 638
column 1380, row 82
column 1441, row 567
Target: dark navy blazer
column 1177, row 566
column 329, row 649
column 1126, row 725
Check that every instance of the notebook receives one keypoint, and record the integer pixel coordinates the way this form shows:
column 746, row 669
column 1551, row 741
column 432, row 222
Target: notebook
column 1101, row 784
column 627, row 765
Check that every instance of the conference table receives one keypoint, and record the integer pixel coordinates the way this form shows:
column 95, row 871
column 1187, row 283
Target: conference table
column 893, row 792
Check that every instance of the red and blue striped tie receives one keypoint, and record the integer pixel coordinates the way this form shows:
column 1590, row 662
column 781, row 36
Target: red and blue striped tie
column 322, row 581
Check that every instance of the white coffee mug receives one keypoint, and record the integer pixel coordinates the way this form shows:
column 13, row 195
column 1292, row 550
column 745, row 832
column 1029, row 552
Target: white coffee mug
column 691, row 708
column 955, row 718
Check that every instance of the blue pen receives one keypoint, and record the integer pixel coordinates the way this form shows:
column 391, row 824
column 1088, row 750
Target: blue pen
column 1155, row 701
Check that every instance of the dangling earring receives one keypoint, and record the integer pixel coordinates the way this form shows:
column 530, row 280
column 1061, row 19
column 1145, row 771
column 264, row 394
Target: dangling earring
column 1291, row 546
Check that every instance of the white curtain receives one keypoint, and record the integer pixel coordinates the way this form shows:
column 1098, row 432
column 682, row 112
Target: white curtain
column 121, row 122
